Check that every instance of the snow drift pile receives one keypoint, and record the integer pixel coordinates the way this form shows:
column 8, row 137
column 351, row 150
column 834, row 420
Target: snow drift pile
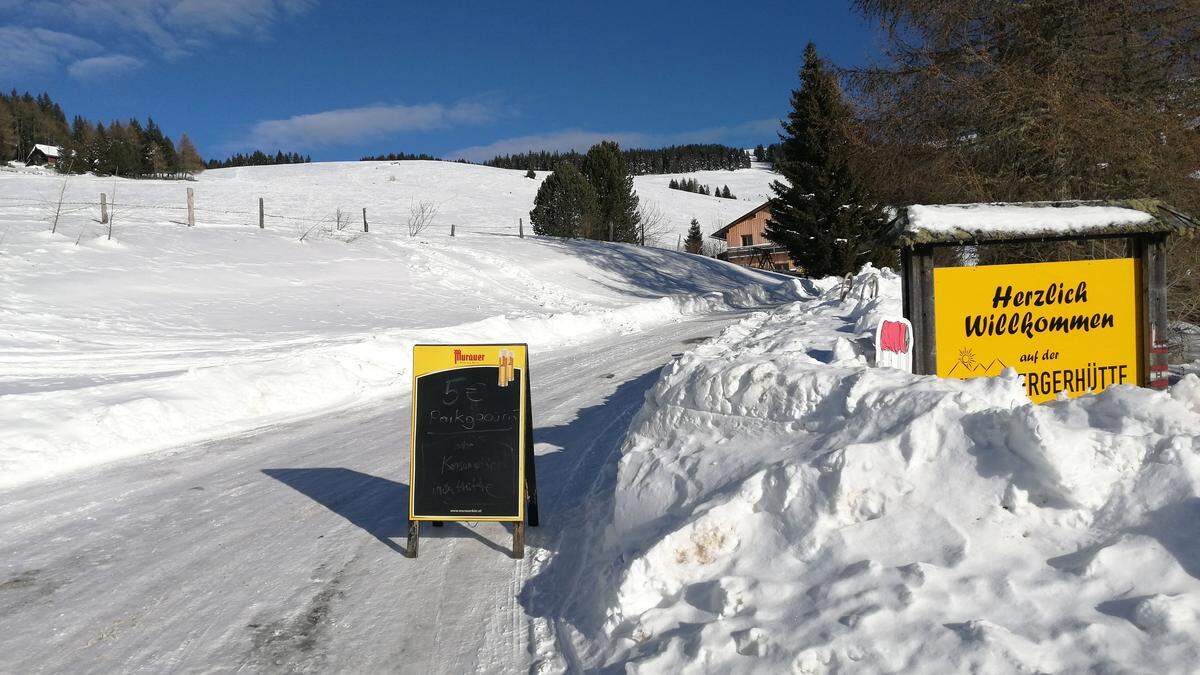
column 781, row 506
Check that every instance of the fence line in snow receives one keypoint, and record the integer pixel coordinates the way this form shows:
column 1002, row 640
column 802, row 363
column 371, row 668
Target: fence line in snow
column 340, row 220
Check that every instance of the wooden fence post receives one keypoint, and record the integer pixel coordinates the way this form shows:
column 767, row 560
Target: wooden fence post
column 521, row 228
column 365, row 227
column 103, row 209
column 191, row 208
column 451, row 229
column 261, row 225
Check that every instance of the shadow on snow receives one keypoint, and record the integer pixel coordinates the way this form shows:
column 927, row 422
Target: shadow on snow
column 377, row 505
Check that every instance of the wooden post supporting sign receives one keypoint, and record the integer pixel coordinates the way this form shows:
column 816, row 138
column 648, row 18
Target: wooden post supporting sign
column 191, row 207
column 1150, row 252
column 917, row 281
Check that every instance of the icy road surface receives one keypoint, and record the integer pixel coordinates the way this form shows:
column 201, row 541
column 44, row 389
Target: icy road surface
column 280, row 549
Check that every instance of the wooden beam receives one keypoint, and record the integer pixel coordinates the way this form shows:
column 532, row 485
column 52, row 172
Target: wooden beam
column 924, row 338
column 917, row 279
column 1150, row 252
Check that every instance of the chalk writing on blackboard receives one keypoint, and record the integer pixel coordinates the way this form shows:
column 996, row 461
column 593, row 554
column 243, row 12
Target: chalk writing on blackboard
column 468, row 433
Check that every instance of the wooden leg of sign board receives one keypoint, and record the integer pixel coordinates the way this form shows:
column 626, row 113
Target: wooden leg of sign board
column 519, row 539
column 414, row 537
column 530, row 467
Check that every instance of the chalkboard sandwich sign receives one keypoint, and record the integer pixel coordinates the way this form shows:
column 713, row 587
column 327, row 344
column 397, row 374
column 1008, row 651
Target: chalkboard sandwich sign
column 471, row 451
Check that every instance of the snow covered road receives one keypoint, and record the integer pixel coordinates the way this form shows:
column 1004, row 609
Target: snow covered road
column 280, row 549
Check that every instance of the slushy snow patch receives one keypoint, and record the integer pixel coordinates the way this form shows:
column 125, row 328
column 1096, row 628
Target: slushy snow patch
column 780, row 506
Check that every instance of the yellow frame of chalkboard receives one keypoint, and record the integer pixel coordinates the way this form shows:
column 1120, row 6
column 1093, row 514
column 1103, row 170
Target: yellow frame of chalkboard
column 430, row 359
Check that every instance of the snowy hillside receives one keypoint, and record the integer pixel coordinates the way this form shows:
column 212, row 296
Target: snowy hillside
column 474, row 198
column 780, row 506
column 166, row 334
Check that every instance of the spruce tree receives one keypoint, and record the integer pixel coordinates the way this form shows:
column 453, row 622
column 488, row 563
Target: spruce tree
column 694, row 243
column 608, row 173
column 565, row 205
column 822, row 214
column 531, row 174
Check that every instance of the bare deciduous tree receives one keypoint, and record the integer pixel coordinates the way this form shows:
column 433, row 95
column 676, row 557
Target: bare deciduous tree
column 656, row 227
column 420, row 216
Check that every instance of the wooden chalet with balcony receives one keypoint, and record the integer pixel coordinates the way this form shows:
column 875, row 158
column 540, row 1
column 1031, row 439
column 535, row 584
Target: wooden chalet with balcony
column 747, row 244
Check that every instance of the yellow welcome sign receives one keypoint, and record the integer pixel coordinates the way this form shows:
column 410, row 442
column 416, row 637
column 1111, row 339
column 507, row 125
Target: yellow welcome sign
column 1065, row 326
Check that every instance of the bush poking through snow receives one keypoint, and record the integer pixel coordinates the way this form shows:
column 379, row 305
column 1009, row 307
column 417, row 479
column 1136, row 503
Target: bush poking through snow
column 420, row 216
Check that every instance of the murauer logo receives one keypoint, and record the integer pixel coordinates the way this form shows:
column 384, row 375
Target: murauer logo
column 459, row 357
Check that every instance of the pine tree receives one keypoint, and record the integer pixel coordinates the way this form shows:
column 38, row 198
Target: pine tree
column 694, row 243
column 759, row 154
column 607, row 171
column 727, row 194
column 674, row 184
column 565, row 205
column 8, row 138
column 531, row 174
column 822, row 213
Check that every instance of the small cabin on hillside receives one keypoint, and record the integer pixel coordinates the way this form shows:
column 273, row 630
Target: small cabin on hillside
column 748, row 245
column 42, row 154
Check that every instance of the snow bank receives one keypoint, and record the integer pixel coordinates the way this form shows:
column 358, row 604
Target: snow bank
column 49, row 432
column 1020, row 219
column 170, row 334
column 781, row 506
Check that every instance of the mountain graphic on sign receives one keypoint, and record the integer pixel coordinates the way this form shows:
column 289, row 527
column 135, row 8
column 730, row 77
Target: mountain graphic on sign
column 968, row 364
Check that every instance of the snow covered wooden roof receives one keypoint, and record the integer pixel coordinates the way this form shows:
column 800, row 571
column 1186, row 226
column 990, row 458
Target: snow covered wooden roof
column 47, row 150
column 970, row 223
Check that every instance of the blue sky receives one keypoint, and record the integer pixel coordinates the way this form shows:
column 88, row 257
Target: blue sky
column 341, row 79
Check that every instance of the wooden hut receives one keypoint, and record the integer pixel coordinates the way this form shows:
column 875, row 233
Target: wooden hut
column 42, row 155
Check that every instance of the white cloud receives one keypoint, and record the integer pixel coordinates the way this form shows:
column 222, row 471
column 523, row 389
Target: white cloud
column 580, row 140
column 233, row 17
column 348, row 125
column 98, row 67
column 35, row 50
column 174, row 28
